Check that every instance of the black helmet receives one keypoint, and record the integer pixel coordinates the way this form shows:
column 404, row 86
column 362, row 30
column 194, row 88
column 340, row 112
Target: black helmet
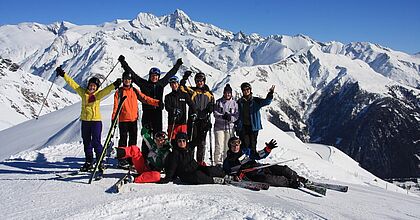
column 245, row 85
column 200, row 77
column 95, row 81
column 126, row 75
column 234, row 140
column 181, row 135
column 154, row 70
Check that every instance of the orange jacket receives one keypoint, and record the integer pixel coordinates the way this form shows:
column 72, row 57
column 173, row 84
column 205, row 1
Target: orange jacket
column 130, row 109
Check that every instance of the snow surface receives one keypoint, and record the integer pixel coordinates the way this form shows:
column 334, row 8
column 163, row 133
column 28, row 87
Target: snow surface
column 38, row 149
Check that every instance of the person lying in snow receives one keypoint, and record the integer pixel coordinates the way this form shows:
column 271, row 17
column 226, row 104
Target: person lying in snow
column 148, row 167
column 239, row 158
column 181, row 163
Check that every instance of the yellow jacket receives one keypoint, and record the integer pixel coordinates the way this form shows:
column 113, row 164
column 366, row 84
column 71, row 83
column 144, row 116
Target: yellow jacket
column 90, row 110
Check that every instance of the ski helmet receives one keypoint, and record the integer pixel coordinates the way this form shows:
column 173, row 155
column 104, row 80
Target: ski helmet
column 234, row 140
column 154, row 70
column 245, row 85
column 95, row 81
column 174, row 79
column 126, row 75
column 160, row 135
column 200, row 77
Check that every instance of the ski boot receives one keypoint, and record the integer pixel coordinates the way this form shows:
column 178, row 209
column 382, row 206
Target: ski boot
column 86, row 167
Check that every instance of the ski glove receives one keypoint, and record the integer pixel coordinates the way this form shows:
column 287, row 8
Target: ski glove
column 179, row 62
column 187, row 74
column 163, row 181
column 59, row 71
column 227, row 117
column 193, row 117
column 161, row 105
column 117, row 83
column 272, row 144
column 121, row 58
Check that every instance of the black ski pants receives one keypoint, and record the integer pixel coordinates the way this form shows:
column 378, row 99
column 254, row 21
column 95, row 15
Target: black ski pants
column 203, row 175
column 248, row 137
column 275, row 175
column 127, row 130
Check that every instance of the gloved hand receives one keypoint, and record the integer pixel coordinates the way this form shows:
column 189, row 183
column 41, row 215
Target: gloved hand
column 271, row 90
column 177, row 112
column 179, row 62
column 163, row 181
column 227, row 117
column 193, row 117
column 121, row 58
column 59, row 71
column 117, row 83
column 161, row 105
column 272, row 144
column 187, row 74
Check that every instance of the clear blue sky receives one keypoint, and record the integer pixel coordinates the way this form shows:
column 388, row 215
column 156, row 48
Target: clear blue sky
column 391, row 23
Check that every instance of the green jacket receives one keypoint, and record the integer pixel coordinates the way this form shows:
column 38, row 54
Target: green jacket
column 156, row 156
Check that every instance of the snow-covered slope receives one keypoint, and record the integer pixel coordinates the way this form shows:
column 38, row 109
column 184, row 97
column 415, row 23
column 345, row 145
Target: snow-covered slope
column 29, row 184
column 22, row 94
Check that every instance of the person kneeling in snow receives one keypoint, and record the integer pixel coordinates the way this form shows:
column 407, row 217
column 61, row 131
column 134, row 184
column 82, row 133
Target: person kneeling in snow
column 181, row 163
column 148, row 167
column 242, row 158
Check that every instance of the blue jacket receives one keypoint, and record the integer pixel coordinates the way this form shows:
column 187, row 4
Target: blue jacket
column 254, row 109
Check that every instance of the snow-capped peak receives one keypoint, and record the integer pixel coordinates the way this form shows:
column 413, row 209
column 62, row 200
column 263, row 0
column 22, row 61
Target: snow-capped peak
column 181, row 22
column 145, row 20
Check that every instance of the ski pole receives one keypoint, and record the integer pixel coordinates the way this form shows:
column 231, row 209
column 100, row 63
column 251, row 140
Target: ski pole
column 173, row 128
column 192, row 130
column 45, row 99
column 211, row 147
column 108, row 74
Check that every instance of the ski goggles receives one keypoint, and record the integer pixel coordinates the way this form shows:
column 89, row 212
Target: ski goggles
column 235, row 143
column 174, row 79
column 155, row 70
column 160, row 135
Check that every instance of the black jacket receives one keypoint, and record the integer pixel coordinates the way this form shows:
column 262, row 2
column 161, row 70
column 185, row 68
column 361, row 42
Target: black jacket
column 178, row 100
column 181, row 163
column 153, row 90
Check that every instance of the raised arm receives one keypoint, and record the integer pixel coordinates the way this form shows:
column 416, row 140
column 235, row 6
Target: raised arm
column 165, row 80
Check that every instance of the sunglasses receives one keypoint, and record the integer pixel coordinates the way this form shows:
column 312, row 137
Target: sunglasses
column 245, row 89
column 160, row 136
column 181, row 140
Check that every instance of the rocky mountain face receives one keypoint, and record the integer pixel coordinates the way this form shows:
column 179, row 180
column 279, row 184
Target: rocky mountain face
column 360, row 97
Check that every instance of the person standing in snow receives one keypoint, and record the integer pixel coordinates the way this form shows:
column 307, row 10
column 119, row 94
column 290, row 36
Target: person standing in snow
column 203, row 100
column 153, row 87
column 176, row 105
column 147, row 166
column 180, row 163
column 249, row 121
column 127, row 120
column 239, row 158
column 225, row 114
column 90, row 115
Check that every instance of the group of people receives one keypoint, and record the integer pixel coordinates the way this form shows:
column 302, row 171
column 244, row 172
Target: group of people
column 172, row 152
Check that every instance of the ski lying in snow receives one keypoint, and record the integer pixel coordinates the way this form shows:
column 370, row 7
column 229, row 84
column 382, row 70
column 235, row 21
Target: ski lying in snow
column 71, row 173
column 107, row 140
column 318, row 189
column 123, row 180
column 336, row 187
column 254, row 186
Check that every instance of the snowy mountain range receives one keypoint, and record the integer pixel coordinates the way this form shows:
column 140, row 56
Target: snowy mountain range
column 360, row 97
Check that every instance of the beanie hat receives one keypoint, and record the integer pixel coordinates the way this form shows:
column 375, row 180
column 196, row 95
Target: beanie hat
column 181, row 135
column 227, row 88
